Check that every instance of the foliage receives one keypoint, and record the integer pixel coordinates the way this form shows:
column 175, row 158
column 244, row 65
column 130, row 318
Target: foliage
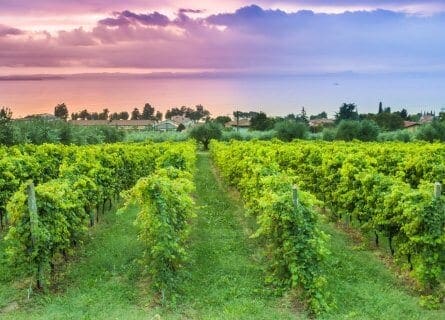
column 193, row 114
column 329, row 134
column 385, row 189
column 348, row 111
column 40, row 131
column 6, row 129
column 261, row 122
column 222, row 119
column 399, row 135
column 165, row 209
column 389, row 121
column 365, row 130
column 348, row 130
column 73, row 186
column 432, row 132
column 205, row 132
column 321, row 115
column 289, row 130
column 295, row 245
column 369, row 131
column 248, row 135
column 61, row 111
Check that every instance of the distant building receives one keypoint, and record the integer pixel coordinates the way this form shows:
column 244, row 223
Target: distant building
column 321, row 122
column 426, row 119
column 186, row 122
column 166, row 125
column 410, row 125
column 241, row 124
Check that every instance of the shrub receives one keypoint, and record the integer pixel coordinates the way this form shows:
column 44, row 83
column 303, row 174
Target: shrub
column 290, row 130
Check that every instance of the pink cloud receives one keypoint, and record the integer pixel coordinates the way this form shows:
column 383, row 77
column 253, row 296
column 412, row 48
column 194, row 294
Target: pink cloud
column 249, row 38
column 9, row 31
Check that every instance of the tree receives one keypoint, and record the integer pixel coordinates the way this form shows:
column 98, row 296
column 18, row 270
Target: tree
column 177, row 112
column 205, row 132
column 197, row 114
column 321, row 115
column 380, row 107
column 389, row 121
column 135, row 114
column 348, row 111
column 148, row 112
column 404, row 114
column 288, row 130
column 61, row 111
column 84, row 115
column 244, row 115
column 303, row 116
column 120, row 115
column 124, row 115
column 104, row 115
column 348, row 130
column 180, row 128
column 432, row 131
column 158, row 116
column 261, row 122
column 6, row 129
column 369, row 131
column 222, row 119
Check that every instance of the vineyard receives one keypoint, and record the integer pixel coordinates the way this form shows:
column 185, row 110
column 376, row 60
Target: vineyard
column 392, row 190
column 54, row 199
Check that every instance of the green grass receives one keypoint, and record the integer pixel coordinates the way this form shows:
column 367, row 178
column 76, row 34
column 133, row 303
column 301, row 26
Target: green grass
column 364, row 288
column 223, row 278
column 101, row 285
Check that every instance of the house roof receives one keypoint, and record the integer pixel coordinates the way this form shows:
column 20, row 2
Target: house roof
column 320, row 122
column 241, row 123
column 408, row 124
column 166, row 122
column 181, row 119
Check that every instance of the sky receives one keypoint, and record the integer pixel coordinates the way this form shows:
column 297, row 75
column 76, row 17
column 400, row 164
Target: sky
column 232, row 38
column 288, row 36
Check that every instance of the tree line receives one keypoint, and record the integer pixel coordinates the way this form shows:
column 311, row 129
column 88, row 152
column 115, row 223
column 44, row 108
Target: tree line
column 148, row 112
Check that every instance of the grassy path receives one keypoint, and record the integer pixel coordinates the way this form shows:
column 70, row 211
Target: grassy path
column 364, row 288
column 224, row 280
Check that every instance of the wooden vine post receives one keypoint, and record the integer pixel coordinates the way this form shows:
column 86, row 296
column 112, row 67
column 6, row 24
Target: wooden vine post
column 437, row 190
column 295, row 195
column 34, row 225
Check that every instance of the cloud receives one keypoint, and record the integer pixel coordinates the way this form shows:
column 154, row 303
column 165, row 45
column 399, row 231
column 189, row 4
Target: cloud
column 127, row 17
column 251, row 38
column 9, row 31
column 182, row 10
column 76, row 37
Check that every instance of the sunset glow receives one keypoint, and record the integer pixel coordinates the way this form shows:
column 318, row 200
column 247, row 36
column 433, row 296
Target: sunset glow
column 298, row 37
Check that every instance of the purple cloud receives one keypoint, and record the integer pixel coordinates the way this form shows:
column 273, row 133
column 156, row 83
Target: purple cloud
column 76, row 37
column 127, row 17
column 250, row 38
column 9, row 31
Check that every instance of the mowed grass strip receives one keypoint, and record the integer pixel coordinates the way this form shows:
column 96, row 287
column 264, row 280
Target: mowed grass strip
column 101, row 284
column 364, row 288
column 224, row 279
